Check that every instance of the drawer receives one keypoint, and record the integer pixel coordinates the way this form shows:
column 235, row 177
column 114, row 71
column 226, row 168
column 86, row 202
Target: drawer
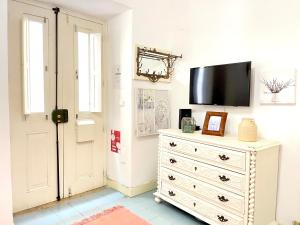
column 220, row 176
column 176, row 195
column 175, row 144
column 177, row 162
column 216, row 214
column 222, row 156
column 205, row 209
column 220, row 197
column 217, row 176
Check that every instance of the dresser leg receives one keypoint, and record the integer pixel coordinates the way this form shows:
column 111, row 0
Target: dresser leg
column 157, row 200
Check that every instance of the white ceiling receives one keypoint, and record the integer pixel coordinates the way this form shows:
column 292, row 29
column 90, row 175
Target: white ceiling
column 104, row 9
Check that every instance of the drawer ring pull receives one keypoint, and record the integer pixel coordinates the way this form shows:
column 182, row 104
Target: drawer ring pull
column 194, row 204
column 196, row 149
column 222, row 219
column 224, row 178
column 172, row 144
column 171, row 193
column 195, row 168
column 223, row 157
column 171, row 177
column 173, row 161
column 223, row 199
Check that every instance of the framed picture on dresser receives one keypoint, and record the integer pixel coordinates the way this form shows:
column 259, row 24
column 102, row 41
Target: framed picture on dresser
column 214, row 123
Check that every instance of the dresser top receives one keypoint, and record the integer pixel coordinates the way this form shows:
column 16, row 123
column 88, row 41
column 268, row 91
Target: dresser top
column 226, row 141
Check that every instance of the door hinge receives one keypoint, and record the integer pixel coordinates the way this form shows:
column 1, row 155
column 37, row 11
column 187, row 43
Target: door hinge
column 76, row 116
column 45, row 20
column 70, row 192
column 46, row 68
column 76, row 74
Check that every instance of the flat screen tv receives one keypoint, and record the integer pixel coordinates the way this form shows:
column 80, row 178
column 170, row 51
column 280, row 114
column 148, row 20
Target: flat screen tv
column 227, row 85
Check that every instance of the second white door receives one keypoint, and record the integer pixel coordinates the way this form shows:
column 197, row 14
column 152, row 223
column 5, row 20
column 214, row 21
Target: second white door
column 82, row 95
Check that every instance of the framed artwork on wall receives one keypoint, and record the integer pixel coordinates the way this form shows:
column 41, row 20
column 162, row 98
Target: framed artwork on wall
column 152, row 111
column 214, row 123
column 278, row 86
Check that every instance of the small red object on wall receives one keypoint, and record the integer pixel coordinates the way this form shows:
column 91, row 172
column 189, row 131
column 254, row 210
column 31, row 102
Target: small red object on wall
column 115, row 141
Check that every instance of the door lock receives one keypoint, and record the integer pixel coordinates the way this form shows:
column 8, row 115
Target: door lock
column 60, row 116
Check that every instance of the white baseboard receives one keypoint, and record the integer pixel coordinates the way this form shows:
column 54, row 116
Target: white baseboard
column 132, row 191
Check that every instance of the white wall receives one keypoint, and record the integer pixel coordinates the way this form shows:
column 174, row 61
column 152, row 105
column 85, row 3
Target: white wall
column 211, row 32
column 149, row 29
column 119, row 37
column 5, row 174
column 266, row 33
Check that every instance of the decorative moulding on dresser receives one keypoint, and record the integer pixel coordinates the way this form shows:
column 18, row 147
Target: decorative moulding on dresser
column 219, row 180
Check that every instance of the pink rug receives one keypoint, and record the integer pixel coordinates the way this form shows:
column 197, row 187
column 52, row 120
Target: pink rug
column 115, row 216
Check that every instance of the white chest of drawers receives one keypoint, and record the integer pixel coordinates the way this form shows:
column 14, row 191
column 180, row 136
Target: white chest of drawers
column 219, row 180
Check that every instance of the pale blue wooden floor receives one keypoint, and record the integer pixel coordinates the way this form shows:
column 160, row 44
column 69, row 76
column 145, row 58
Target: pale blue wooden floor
column 73, row 210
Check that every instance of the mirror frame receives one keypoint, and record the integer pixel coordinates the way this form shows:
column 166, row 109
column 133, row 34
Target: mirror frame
column 149, row 53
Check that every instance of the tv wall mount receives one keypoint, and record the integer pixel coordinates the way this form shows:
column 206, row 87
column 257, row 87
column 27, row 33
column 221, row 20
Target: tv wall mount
column 154, row 64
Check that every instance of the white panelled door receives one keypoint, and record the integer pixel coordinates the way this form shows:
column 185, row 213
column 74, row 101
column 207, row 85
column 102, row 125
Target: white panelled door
column 32, row 99
column 84, row 140
column 31, row 85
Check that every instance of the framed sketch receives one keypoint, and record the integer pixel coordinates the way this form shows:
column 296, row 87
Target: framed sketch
column 152, row 111
column 278, row 86
column 214, row 123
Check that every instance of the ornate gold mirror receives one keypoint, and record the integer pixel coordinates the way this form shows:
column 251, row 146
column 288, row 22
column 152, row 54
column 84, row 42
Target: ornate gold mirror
column 155, row 65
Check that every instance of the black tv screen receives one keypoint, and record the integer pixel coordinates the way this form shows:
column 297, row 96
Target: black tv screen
column 227, row 84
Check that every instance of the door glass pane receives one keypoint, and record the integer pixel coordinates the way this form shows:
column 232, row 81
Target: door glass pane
column 89, row 71
column 83, row 72
column 95, row 50
column 34, row 66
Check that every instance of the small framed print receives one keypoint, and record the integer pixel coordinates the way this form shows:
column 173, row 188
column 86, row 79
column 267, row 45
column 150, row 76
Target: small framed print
column 214, row 123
